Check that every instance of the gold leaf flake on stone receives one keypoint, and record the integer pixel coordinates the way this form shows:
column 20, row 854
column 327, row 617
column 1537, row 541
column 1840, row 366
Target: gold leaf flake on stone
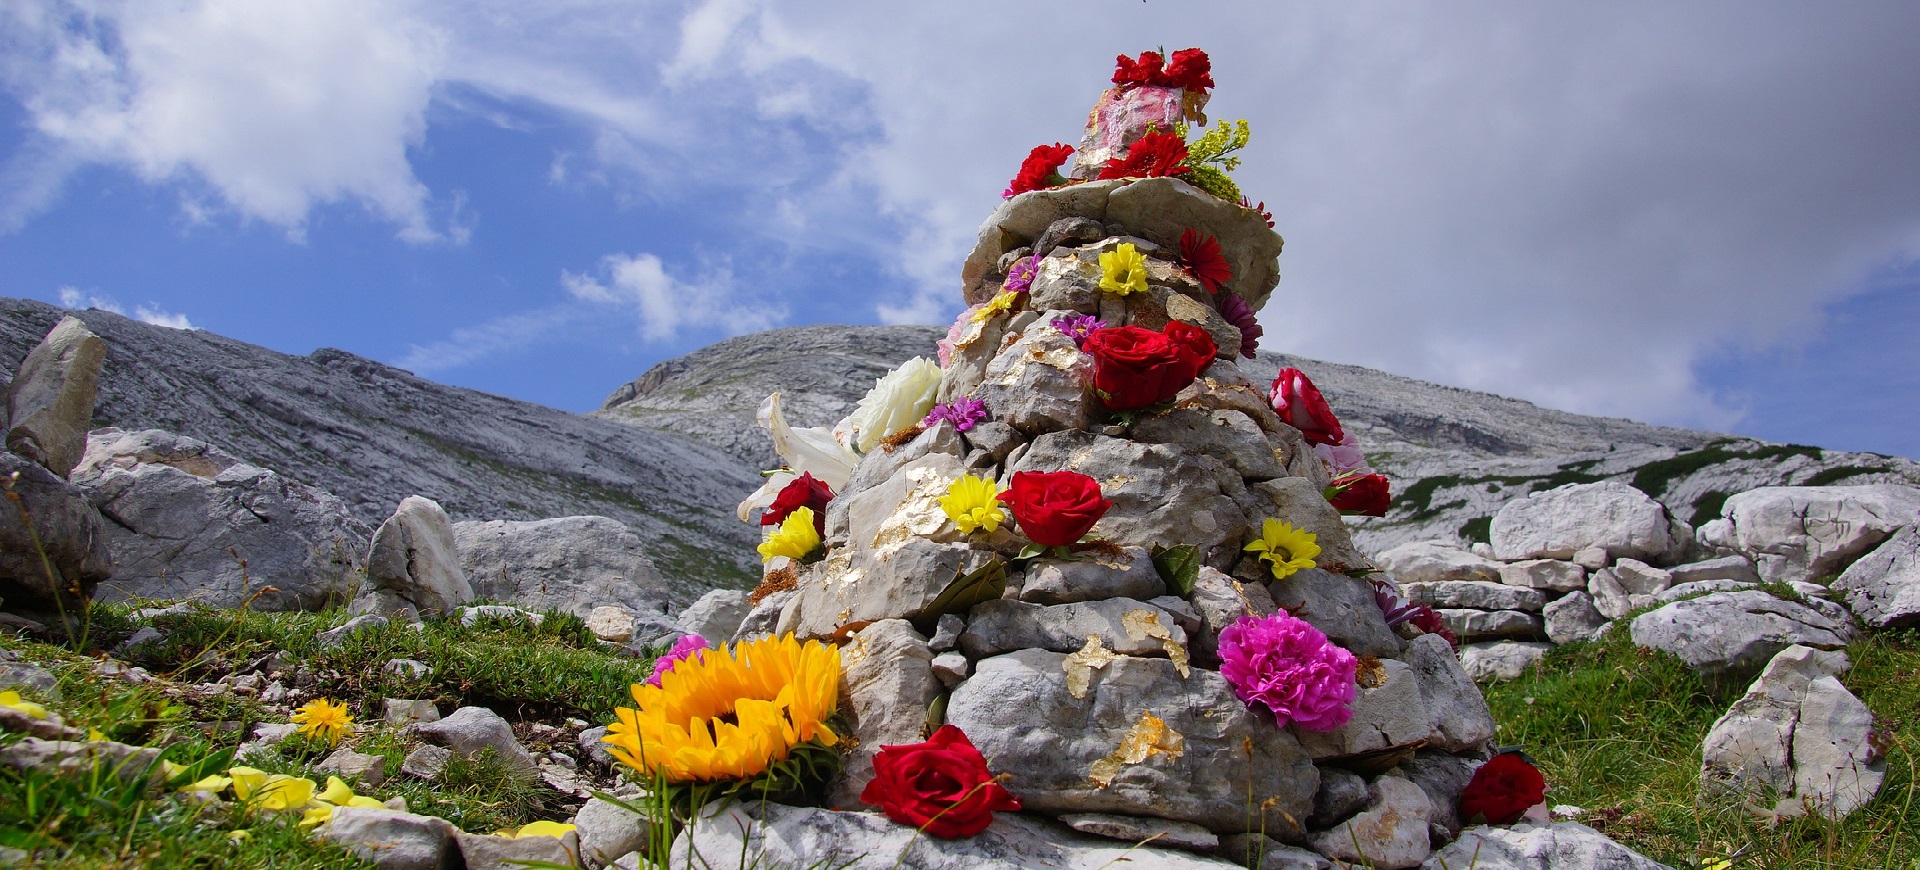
column 971, row 334
column 1081, row 665
column 1143, row 624
column 1117, row 480
column 1064, row 357
column 1148, row 737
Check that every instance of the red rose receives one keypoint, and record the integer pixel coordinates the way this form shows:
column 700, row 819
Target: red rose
column 1366, row 496
column 1054, row 508
column 805, row 491
column 1502, row 790
column 941, row 786
column 1300, row 404
column 1155, row 155
column 1040, row 170
column 1136, row 367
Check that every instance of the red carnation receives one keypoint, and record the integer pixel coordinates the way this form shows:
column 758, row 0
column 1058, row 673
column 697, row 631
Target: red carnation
column 1054, row 508
column 1189, row 68
column 1040, row 170
column 941, row 786
column 1364, row 495
column 1155, row 155
column 1299, row 402
column 1201, row 255
column 1502, row 790
column 806, row 491
column 1145, row 71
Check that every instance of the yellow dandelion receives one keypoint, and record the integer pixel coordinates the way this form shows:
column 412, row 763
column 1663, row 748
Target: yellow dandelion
column 1285, row 548
column 325, row 719
column 1123, row 270
column 731, row 713
column 999, row 304
column 794, row 539
column 974, row 503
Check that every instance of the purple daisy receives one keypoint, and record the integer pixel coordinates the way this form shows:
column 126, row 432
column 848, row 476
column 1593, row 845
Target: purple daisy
column 1020, row 277
column 1078, row 327
column 1240, row 314
column 963, row 413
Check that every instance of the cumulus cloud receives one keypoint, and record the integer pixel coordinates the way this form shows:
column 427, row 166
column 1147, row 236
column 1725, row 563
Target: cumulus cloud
column 499, row 335
column 74, row 297
column 667, row 307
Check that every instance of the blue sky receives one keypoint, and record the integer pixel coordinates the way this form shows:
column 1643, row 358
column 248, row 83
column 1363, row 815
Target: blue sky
column 1703, row 215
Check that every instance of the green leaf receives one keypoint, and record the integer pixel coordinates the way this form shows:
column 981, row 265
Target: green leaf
column 1030, row 551
column 985, row 583
column 1179, row 567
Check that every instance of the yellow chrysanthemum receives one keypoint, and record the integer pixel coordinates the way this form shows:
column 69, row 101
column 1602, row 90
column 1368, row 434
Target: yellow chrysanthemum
column 12, row 700
column 973, row 503
column 731, row 713
column 1285, row 548
column 325, row 719
column 999, row 304
column 794, row 539
column 1123, row 270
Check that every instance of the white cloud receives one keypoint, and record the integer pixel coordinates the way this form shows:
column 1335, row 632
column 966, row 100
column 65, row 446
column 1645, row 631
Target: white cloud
column 667, row 307
column 74, row 297
column 502, row 334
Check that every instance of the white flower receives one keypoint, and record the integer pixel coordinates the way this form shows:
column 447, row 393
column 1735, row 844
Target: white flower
column 897, row 401
column 1343, row 459
column 812, row 451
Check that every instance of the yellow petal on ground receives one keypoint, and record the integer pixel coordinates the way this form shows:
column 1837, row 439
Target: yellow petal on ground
column 1081, row 665
column 542, row 829
column 318, row 813
column 213, row 784
column 237, row 836
column 1143, row 624
column 12, row 700
column 282, row 792
column 1148, row 737
column 337, row 792
column 246, row 780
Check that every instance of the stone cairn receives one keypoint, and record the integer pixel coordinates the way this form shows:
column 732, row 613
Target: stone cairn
column 1094, row 681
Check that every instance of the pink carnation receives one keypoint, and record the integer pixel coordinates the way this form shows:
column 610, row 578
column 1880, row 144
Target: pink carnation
column 948, row 345
column 1289, row 666
column 686, row 646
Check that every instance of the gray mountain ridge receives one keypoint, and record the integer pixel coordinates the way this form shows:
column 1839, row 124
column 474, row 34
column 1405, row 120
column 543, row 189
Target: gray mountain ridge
column 373, row 434
column 1453, row 455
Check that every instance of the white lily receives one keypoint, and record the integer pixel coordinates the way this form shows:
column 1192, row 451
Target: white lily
column 899, row 400
column 813, row 451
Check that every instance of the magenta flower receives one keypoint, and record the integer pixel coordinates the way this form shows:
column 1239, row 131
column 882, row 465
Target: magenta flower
column 1240, row 314
column 1078, row 327
column 962, row 413
column 687, row 645
column 1291, row 668
column 1020, row 277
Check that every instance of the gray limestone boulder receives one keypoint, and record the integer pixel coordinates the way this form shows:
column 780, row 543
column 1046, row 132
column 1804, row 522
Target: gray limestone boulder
column 1803, row 532
column 1573, row 617
column 1387, row 711
column 1436, row 562
column 1471, row 625
column 493, row 852
column 570, row 564
column 1538, row 847
column 50, row 402
column 782, row 836
column 413, row 567
column 1066, row 744
column 1882, row 588
column 470, row 730
column 1038, row 384
column 1162, row 495
column 1220, row 601
column 897, row 582
column 393, row 840
column 1096, row 575
column 1798, row 741
column 1390, row 834
column 190, row 522
column 1553, row 575
column 1230, row 435
column 608, row 831
column 1560, row 522
column 1476, row 595
column 1301, row 502
column 1462, row 722
column 1736, row 568
column 1502, row 660
column 1342, row 607
column 716, row 616
column 1727, row 637
column 60, row 523
column 887, row 684
column 1004, row 625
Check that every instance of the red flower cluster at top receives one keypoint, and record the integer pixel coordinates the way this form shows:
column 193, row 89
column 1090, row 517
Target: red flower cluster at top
column 1156, row 155
column 1201, row 255
column 1189, row 68
column 1040, row 170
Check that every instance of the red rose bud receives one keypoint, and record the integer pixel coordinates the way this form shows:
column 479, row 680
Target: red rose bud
column 941, row 786
column 1137, row 367
column 1502, row 790
column 805, row 491
column 1054, row 508
column 1365, row 496
column 1300, row 404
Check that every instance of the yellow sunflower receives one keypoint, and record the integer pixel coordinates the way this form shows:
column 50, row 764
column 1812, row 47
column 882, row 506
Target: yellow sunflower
column 731, row 713
column 1285, row 548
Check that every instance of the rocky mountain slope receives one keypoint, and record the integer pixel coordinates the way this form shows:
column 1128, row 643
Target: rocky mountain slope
column 1454, row 455
column 373, row 434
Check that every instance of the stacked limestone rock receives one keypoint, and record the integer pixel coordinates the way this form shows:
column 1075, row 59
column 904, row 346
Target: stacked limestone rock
column 1091, row 681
